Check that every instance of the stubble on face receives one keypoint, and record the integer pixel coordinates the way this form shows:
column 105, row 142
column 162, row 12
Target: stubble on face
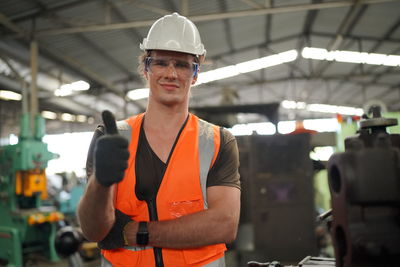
column 169, row 88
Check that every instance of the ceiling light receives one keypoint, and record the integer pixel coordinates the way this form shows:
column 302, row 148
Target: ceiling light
column 80, row 86
column 293, row 104
column 247, row 66
column 344, row 110
column 137, row 94
column 217, row 74
column 81, row 118
column 49, row 115
column 67, row 117
column 351, row 56
column 68, row 89
column 10, row 95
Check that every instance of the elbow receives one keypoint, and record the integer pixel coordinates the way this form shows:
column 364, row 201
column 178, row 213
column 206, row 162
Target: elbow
column 230, row 237
column 91, row 230
column 94, row 233
column 92, row 236
column 230, row 231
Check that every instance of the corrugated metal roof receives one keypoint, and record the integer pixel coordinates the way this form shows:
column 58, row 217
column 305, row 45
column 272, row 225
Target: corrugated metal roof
column 241, row 31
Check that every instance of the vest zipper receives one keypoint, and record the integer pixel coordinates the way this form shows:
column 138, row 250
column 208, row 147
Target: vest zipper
column 153, row 217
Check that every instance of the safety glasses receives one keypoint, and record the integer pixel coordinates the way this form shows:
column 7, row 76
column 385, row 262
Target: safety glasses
column 158, row 65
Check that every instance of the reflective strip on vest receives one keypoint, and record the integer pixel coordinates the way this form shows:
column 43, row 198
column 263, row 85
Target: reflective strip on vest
column 138, row 248
column 217, row 263
column 206, row 153
column 124, row 129
column 104, row 262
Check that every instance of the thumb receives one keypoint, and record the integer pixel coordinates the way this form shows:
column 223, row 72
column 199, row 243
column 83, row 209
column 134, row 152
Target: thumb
column 109, row 122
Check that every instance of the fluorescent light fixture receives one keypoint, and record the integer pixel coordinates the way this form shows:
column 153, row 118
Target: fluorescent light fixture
column 68, row 89
column 10, row 95
column 217, row 74
column 335, row 109
column 247, row 66
column 137, row 94
column 90, row 120
column 344, row 110
column 293, row 104
column 80, row 86
column 67, row 117
column 64, row 90
column 351, row 56
column 81, row 118
column 284, row 127
column 49, row 115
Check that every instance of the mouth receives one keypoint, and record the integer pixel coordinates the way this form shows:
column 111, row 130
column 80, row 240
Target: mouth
column 169, row 86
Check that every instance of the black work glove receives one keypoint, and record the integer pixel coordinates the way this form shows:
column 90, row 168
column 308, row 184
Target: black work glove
column 115, row 238
column 110, row 153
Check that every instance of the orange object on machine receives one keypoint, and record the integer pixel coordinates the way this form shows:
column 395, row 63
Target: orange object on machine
column 31, row 182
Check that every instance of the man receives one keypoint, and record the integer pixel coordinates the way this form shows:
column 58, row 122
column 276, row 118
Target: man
column 170, row 196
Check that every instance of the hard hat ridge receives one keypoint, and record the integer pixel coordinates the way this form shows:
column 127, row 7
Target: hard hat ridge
column 174, row 33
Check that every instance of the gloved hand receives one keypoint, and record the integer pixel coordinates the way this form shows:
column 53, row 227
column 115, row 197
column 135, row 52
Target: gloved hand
column 110, row 153
column 115, row 238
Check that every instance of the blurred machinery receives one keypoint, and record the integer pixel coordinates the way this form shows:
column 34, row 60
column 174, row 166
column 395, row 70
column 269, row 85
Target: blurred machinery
column 29, row 225
column 277, row 192
column 365, row 188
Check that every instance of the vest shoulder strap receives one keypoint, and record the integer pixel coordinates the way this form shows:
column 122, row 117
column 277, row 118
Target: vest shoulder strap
column 206, row 154
column 124, row 129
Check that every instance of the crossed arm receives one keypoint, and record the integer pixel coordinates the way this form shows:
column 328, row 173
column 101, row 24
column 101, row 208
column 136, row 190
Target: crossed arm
column 217, row 224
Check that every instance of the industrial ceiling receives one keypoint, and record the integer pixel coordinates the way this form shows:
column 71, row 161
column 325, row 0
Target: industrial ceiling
column 98, row 41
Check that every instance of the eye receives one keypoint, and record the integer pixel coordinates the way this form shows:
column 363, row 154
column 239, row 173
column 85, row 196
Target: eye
column 182, row 65
column 159, row 62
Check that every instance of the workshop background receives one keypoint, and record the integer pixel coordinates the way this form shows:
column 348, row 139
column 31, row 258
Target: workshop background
column 290, row 79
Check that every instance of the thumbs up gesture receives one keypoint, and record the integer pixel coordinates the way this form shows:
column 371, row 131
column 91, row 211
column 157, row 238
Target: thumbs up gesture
column 110, row 153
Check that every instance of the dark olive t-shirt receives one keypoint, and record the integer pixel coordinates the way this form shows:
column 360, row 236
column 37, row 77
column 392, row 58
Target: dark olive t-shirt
column 150, row 169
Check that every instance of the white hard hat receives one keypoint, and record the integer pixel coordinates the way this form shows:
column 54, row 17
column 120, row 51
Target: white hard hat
column 174, row 33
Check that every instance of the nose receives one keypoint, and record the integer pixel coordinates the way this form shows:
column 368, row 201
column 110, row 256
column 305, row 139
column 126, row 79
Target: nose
column 171, row 71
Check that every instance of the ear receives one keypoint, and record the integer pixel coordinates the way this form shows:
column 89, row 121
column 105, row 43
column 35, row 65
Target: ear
column 146, row 75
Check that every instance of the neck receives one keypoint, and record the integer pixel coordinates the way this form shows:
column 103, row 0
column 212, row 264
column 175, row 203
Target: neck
column 161, row 116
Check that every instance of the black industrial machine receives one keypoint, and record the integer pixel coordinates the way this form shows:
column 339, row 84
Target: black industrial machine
column 364, row 183
column 277, row 197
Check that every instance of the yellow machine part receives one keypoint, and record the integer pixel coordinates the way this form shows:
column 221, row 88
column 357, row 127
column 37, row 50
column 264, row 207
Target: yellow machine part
column 31, row 182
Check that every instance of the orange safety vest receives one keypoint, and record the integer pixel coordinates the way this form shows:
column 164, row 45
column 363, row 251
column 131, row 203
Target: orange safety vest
column 182, row 192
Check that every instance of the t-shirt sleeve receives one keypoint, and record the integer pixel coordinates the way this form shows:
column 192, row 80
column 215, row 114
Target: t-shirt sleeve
column 90, row 156
column 225, row 170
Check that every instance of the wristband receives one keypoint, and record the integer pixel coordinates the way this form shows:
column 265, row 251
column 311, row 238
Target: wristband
column 142, row 235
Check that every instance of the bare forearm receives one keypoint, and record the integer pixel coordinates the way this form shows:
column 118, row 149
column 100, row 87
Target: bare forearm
column 96, row 210
column 218, row 224
column 193, row 230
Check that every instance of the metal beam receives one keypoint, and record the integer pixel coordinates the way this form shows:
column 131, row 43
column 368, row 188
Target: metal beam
column 73, row 63
column 355, row 37
column 350, row 19
column 227, row 26
column 209, row 17
column 36, row 14
column 392, row 29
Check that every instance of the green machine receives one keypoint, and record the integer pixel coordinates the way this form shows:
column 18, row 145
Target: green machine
column 27, row 225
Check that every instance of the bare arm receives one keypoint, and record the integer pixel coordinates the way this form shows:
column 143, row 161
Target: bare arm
column 217, row 224
column 96, row 210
